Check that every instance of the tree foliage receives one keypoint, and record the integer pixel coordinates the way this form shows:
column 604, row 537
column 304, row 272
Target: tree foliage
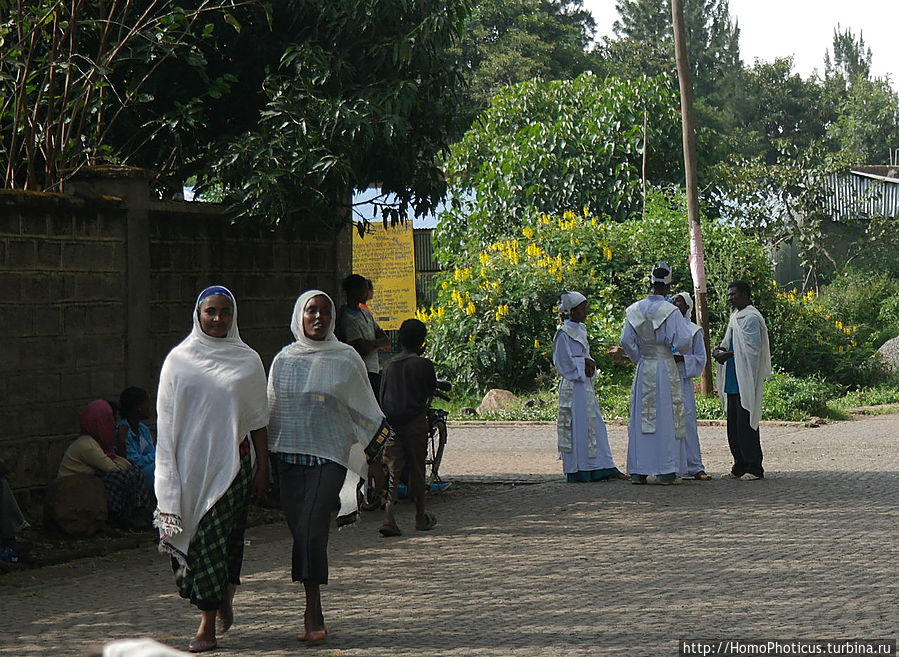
column 140, row 83
column 280, row 108
column 363, row 94
column 551, row 146
column 509, row 41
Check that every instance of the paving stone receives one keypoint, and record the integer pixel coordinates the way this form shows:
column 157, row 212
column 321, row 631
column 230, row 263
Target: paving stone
column 543, row 568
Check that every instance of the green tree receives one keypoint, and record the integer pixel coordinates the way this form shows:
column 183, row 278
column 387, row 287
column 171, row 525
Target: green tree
column 510, row 41
column 851, row 59
column 86, row 82
column 552, row 146
column 364, row 94
column 866, row 129
column 645, row 43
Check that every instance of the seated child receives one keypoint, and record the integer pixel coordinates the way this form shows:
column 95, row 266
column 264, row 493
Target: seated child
column 407, row 383
column 134, row 406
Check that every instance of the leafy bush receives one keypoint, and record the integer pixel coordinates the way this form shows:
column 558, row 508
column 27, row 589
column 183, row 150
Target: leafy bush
column 788, row 397
column 806, row 340
column 494, row 320
column 867, row 300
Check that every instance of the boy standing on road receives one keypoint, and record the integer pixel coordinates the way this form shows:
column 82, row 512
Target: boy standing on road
column 407, row 383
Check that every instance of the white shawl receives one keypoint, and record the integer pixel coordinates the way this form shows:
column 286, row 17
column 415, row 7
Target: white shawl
column 211, row 395
column 322, row 403
column 752, row 360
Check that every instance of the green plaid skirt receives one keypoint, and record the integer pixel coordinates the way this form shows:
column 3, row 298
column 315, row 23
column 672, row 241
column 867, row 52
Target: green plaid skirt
column 215, row 555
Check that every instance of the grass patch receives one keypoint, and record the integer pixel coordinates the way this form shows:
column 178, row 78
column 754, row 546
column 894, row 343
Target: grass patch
column 787, row 398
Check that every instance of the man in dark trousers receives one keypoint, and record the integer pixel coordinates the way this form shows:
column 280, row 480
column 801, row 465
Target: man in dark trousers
column 744, row 362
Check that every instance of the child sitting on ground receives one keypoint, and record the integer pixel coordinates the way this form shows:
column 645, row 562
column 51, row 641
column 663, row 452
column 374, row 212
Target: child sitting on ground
column 134, row 406
column 408, row 381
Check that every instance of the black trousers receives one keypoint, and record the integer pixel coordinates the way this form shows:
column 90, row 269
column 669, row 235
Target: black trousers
column 308, row 496
column 743, row 440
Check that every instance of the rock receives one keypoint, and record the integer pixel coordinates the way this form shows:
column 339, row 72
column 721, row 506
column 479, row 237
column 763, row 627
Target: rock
column 76, row 504
column 497, row 400
column 618, row 356
column 889, row 350
column 467, row 410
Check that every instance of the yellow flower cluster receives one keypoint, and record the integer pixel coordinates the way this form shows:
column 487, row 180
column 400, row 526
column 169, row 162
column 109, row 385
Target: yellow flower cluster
column 470, row 309
column 462, row 275
column 426, row 315
column 509, row 249
column 501, row 311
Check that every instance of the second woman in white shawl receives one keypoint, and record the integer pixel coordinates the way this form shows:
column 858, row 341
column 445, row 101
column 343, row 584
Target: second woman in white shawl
column 323, row 415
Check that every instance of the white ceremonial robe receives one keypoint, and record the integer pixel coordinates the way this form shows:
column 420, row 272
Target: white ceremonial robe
column 752, row 360
column 653, row 326
column 582, row 436
column 690, row 455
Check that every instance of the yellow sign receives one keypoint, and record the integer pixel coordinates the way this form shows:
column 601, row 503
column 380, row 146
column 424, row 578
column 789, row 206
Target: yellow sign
column 387, row 257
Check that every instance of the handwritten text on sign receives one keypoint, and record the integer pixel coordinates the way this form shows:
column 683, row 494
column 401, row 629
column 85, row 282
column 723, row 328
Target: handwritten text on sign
column 387, row 257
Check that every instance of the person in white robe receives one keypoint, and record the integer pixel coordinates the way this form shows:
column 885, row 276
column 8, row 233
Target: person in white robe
column 689, row 366
column 657, row 423
column 744, row 362
column 582, row 438
column 212, row 417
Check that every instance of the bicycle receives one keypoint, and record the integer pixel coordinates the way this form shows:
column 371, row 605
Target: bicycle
column 436, row 433
column 436, row 444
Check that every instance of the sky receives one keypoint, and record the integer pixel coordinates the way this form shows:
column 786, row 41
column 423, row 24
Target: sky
column 801, row 28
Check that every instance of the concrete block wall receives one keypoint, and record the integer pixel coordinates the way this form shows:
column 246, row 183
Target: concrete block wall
column 96, row 288
column 191, row 248
column 62, row 299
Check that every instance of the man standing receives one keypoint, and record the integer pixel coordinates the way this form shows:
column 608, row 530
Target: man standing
column 652, row 327
column 744, row 362
column 689, row 366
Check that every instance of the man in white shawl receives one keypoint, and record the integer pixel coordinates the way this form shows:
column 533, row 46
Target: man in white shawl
column 689, row 366
column 210, row 404
column 582, row 438
column 744, row 362
column 323, row 416
column 657, row 424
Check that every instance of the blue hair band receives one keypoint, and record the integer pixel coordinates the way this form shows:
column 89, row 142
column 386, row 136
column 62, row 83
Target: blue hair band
column 214, row 289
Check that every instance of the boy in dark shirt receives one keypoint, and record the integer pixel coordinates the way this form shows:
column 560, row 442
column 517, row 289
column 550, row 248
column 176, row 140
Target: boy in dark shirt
column 408, row 381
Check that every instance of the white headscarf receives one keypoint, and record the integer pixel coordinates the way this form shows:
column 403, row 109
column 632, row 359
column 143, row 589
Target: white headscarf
column 570, row 300
column 687, row 300
column 211, row 395
column 321, row 401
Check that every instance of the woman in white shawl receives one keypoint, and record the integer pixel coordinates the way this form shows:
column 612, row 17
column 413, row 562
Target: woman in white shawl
column 583, row 441
column 211, row 401
column 323, row 415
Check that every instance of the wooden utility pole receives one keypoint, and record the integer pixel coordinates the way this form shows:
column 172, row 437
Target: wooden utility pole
column 697, row 262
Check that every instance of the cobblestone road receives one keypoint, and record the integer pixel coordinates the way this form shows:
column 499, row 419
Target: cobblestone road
column 543, row 569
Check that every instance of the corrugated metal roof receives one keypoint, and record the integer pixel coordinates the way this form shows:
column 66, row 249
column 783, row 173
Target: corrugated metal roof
column 862, row 194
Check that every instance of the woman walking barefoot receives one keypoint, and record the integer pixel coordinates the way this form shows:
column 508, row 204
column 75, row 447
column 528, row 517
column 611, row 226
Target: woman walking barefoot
column 211, row 404
column 323, row 415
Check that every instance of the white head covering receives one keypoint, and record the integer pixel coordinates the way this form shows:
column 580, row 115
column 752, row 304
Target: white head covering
column 688, row 300
column 570, row 300
column 211, row 395
column 322, row 403
column 664, row 279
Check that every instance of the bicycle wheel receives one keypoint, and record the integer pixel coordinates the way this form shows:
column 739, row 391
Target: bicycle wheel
column 436, row 444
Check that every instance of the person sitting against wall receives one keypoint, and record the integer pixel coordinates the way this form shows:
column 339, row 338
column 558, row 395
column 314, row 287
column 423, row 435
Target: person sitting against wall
column 93, row 452
column 12, row 521
column 140, row 450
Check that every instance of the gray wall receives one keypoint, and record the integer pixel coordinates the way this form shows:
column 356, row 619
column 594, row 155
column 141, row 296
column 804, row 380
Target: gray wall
column 97, row 285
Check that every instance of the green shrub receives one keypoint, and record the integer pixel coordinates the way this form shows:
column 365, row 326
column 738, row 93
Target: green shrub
column 495, row 317
column 788, row 397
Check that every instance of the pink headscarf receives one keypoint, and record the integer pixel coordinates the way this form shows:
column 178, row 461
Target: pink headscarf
column 97, row 420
